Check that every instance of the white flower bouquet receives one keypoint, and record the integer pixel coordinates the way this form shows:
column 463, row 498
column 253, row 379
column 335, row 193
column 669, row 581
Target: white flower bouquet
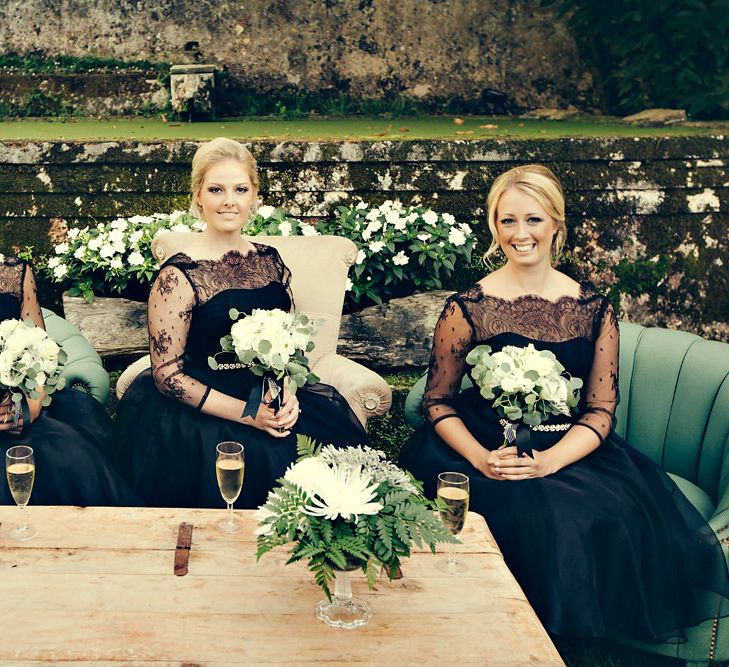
column 271, row 343
column 525, row 384
column 114, row 257
column 347, row 508
column 30, row 363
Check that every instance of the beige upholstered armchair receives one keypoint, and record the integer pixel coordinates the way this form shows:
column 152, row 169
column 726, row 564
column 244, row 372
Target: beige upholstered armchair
column 319, row 266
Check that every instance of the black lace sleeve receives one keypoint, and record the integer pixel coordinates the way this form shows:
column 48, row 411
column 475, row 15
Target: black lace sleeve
column 452, row 340
column 284, row 274
column 600, row 393
column 169, row 312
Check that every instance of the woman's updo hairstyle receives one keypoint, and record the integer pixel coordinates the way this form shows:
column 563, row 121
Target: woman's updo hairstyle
column 215, row 151
column 539, row 182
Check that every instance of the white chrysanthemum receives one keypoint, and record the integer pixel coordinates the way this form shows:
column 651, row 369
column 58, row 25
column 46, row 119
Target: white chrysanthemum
column 345, row 491
column 401, row 259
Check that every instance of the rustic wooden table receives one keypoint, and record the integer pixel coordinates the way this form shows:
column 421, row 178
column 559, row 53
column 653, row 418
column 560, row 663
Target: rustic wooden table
column 97, row 585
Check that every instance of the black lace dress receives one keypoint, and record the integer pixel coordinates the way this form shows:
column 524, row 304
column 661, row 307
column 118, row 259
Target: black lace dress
column 71, row 438
column 163, row 426
column 608, row 543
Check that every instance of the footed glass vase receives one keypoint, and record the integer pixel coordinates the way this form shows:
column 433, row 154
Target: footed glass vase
column 344, row 611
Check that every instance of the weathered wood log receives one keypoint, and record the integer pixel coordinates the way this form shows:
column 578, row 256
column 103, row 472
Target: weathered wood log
column 397, row 334
column 114, row 326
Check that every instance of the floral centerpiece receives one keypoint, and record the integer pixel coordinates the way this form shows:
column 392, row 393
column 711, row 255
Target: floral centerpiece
column 273, row 344
column 527, row 385
column 114, row 257
column 30, row 363
column 347, row 508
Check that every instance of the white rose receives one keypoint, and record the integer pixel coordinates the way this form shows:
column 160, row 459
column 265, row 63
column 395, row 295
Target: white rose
column 266, row 211
column 430, row 217
column 400, row 259
column 456, row 237
column 285, row 228
column 48, row 348
column 135, row 258
column 361, row 256
column 376, row 246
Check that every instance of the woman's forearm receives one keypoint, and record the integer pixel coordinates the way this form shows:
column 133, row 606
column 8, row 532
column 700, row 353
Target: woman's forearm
column 457, row 436
column 577, row 443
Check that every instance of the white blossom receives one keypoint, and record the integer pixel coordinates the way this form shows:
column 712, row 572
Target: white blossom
column 107, row 250
column 72, row 233
column 308, row 230
column 266, row 211
column 425, row 236
column 430, row 217
column 361, row 256
column 175, row 216
column 376, row 246
column 116, row 263
column 60, row 271
column 448, row 219
column 285, row 228
column 61, row 248
column 348, row 285
column 400, row 259
column 135, row 258
column 456, row 237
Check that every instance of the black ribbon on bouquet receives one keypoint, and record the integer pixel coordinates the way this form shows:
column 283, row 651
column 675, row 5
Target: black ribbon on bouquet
column 520, row 436
column 258, row 390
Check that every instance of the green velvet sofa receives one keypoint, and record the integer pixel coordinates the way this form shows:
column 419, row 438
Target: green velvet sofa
column 83, row 370
column 674, row 407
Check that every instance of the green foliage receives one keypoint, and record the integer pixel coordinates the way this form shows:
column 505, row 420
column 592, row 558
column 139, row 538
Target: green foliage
column 39, row 64
column 40, row 104
column 663, row 53
column 373, row 537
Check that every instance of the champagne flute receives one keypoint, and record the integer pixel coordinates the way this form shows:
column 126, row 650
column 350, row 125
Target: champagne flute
column 229, row 469
column 453, row 492
column 20, row 471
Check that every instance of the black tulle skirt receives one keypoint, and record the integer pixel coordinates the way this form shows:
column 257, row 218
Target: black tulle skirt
column 168, row 447
column 71, row 441
column 606, row 545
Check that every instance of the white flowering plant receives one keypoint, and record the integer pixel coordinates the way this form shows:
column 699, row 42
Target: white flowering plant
column 526, row 384
column 400, row 249
column 347, row 508
column 271, row 341
column 30, row 362
column 113, row 257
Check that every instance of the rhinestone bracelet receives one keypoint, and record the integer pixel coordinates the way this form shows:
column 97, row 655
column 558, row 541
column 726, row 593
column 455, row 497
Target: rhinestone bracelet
column 231, row 367
column 542, row 427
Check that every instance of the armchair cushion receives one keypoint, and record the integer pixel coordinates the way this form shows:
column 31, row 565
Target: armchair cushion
column 83, row 369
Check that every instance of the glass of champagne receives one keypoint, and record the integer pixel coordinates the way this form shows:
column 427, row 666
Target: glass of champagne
column 20, row 471
column 229, row 469
column 453, row 492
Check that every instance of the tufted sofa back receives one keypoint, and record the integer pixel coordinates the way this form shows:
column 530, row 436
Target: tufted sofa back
column 674, row 403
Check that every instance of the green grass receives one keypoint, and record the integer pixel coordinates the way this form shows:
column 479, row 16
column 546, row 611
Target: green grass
column 404, row 128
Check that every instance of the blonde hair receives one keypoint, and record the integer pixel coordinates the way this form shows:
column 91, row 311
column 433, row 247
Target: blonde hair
column 214, row 151
column 539, row 182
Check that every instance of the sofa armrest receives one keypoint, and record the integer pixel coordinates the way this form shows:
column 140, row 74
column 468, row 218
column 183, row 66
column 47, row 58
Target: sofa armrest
column 130, row 374
column 366, row 392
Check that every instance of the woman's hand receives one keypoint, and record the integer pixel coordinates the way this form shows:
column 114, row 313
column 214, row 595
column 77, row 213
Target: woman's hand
column 510, row 466
column 486, row 463
column 278, row 424
column 6, row 413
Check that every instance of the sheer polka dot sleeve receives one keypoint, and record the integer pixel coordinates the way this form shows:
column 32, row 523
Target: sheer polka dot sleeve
column 452, row 340
column 600, row 392
column 30, row 308
column 169, row 312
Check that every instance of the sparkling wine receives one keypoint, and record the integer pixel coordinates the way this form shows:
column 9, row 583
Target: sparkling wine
column 456, row 501
column 20, row 481
column 230, row 478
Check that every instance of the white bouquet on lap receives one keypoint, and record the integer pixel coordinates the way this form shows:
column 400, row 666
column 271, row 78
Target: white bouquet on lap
column 527, row 385
column 30, row 363
column 273, row 345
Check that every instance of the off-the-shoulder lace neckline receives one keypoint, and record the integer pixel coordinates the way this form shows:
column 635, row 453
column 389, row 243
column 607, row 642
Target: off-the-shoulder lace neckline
column 582, row 295
column 255, row 250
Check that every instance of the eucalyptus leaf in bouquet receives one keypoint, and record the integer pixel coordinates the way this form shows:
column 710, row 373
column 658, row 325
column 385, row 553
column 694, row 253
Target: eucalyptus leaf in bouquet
column 345, row 508
column 30, row 362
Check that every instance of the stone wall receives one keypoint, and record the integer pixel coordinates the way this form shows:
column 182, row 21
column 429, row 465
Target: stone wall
column 648, row 217
column 435, row 50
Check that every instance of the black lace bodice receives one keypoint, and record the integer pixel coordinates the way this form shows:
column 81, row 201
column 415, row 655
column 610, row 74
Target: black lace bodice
column 188, row 315
column 582, row 332
column 18, row 293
